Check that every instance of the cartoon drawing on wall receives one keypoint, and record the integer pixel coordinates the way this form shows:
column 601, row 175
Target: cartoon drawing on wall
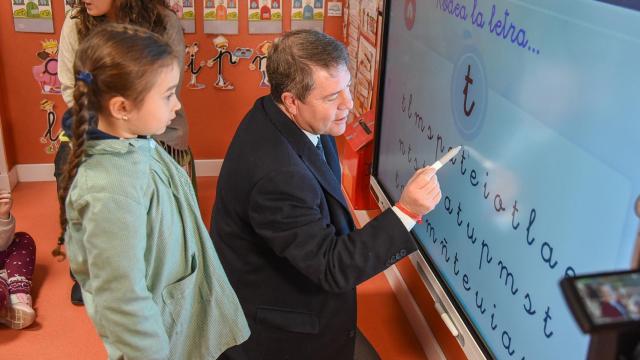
column 307, row 13
column 52, row 142
column 221, row 44
column 177, row 7
column 191, row 66
column 221, row 10
column 265, row 16
column 243, row 53
column 265, row 10
column 31, row 9
column 221, row 17
column 46, row 74
column 262, row 53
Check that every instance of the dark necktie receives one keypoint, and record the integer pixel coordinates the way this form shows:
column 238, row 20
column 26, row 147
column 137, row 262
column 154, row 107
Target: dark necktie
column 320, row 149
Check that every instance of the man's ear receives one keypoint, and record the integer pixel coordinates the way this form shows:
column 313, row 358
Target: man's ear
column 119, row 107
column 290, row 103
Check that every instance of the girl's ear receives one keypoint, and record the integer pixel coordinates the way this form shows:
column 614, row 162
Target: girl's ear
column 119, row 107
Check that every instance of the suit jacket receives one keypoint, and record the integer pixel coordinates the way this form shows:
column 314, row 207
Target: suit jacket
column 285, row 237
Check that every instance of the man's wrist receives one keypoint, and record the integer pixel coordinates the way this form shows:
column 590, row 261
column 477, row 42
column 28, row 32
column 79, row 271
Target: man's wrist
column 417, row 218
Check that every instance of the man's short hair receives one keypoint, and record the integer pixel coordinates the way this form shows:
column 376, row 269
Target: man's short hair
column 293, row 56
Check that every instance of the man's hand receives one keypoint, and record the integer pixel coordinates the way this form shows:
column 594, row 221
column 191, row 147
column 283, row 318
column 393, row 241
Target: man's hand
column 5, row 204
column 422, row 192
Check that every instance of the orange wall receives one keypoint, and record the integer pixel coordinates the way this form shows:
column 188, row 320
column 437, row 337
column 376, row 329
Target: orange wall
column 213, row 114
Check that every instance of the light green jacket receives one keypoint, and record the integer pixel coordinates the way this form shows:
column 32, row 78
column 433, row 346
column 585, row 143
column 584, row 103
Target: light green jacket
column 151, row 280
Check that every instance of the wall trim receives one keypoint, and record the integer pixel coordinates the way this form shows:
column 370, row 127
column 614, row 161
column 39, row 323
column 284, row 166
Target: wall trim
column 34, row 172
column 417, row 321
column 44, row 172
column 9, row 181
column 208, row 167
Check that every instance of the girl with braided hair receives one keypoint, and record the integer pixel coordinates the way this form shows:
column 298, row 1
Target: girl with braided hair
column 152, row 15
column 150, row 277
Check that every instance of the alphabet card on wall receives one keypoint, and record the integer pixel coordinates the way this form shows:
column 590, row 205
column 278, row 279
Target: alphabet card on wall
column 32, row 16
column 185, row 11
column 265, row 16
column 46, row 74
column 222, row 44
column 259, row 62
column 192, row 68
column 221, row 16
column 51, row 141
column 307, row 14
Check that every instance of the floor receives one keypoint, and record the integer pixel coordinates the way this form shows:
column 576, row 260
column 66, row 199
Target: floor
column 64, row 331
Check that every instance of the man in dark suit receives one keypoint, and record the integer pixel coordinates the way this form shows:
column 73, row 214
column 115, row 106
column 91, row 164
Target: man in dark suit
column 281, row 224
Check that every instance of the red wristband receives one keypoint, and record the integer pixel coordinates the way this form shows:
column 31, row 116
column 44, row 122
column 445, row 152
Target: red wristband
column 409, row 213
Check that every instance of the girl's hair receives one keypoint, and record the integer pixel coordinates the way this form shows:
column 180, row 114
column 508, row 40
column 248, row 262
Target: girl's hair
column 144, row 13
column 115, row 60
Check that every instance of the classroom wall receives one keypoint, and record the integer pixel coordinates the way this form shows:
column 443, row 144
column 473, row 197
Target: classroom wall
column 213, row 114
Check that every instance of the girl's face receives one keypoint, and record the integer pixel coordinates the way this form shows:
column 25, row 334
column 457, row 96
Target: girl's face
column 100, row 7
column 159, row 106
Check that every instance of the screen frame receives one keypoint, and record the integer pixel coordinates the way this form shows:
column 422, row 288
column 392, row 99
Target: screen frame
column 446, row 304
column 629, row 4
column 473, row 345
column 469, row 338
column 578, row 306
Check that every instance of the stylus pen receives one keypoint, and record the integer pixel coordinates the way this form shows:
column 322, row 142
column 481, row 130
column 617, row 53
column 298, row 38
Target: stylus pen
column 446, row 157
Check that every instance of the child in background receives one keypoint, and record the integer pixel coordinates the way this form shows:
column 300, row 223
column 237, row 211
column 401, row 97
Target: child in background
column 151, row 280
column 17, row 261
column 153, row 15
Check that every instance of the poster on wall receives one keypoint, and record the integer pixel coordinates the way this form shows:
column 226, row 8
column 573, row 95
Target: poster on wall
column 46, row 73
column 221, row 16
column 185, row 11
column 307, row 14
column 334, row 8
column 364, row 78
column 265, row 16
column 369, row 19
column 353, row 38
column 32, row 16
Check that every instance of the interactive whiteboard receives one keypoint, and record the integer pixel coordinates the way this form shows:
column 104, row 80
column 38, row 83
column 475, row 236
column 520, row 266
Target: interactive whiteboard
column 544, row 95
